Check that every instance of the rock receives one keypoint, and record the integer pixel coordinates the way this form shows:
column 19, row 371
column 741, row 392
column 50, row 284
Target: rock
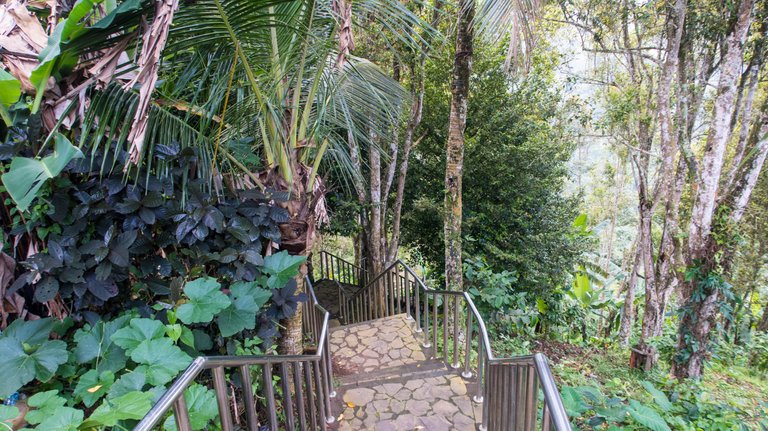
column 417, row 407
column 457, row 386
column 444, row 408
column 435, row 423
column 359, row 396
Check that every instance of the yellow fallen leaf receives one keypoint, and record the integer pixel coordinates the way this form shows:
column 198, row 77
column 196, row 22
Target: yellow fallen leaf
column 94, row 389
column 349, row 404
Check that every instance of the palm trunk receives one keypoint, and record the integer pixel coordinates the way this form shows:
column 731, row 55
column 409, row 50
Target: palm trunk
column 462, row 67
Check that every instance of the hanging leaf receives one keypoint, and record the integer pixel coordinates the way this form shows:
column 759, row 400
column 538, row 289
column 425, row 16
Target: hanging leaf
column 26, row 175
column 10, row 91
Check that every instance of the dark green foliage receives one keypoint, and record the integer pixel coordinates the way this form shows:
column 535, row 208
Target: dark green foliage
column 139, row 236
column 515, row 212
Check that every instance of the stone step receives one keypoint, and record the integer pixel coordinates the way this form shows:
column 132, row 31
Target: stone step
column 429, row 368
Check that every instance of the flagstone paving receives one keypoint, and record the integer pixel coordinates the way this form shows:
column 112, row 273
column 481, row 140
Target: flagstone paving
column 403, row 391
column 374, row 345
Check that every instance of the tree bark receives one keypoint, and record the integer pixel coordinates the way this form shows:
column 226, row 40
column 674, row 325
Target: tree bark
column 696, row 321
column 628, row 311
column 462, row 67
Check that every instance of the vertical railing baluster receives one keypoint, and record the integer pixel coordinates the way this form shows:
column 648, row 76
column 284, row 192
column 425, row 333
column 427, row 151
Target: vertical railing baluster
column 435, row 324
column 297, row 383
column 392, row 292
column 416, row 301
column 181, row 414
column 427, row 339
column 455, row 332
column 290, row 421
column 546, row 419
column 531, row 409
column 250, row 403
column 468, row 347
column 329, row 364
column 481, row 379
column 220, row 385
column 446, row 311
column 307, row 366
column 321, row 395
column 269, row 394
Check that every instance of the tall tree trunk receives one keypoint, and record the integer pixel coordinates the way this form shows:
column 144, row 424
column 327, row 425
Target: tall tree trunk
column 763, row 325
column 462, row 67
column 700, row 309
column 628, row 311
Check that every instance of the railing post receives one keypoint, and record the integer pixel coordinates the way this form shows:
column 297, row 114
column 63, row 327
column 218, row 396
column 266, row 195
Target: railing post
column 220, row 385
column 455, row 332
column 468, row 347
column 250, row 403
column 478, row 398
column 416, row 302
column 181, row 414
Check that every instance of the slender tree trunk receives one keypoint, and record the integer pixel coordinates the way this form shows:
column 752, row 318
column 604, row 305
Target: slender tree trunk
column 700, row 309
column 763, row 325
column 462, row 67
column 628, row 311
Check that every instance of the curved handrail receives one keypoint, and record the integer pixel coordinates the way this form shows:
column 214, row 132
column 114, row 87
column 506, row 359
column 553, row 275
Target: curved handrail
column 554, row 410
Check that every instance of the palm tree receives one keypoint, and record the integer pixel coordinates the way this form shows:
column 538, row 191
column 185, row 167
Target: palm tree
column 263, row 90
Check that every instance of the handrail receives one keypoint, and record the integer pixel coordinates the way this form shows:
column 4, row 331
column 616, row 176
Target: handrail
column 333, row 267
column 311, row 382
column 384, row 296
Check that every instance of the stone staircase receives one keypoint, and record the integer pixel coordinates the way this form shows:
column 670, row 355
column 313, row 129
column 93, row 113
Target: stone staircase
column 386, row 381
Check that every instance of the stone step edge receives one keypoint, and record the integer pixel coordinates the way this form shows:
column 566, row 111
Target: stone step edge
column 403, row 316
column 399, row 373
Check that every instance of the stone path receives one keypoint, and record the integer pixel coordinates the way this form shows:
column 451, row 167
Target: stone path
column 388, row 384
column 375, row 345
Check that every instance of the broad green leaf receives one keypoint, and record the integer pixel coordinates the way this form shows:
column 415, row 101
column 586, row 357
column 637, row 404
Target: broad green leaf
column 96, row 343
column 573, row 402
column 19, row 367
column 205, row 301
column 131, row 406
column 62, row 419
column 91, row 386
column 161, row 360
column 647, row 416
column 138, row 331
column 34, row 332
column 241, row 314
column 129, row 382
column 44, row 403
column 658, row 396
column 7, row 415
column 26, row 175
column 10, row 89
column 201, row 402
column 282, row 267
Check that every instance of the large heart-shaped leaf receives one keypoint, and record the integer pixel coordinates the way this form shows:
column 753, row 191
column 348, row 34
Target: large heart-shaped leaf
column 93, row 385
column 22, row 363
column 248, row 298
column 282, row 267
column 205, row 301
column 62, row 419
column 138, row 331
column 96, row 342
column 161, row 360
column 26, row 175
column 45, row 404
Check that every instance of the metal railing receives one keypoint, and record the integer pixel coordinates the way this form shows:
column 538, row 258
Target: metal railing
column 333, row 267
column 301, row 396
column 454, row 330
